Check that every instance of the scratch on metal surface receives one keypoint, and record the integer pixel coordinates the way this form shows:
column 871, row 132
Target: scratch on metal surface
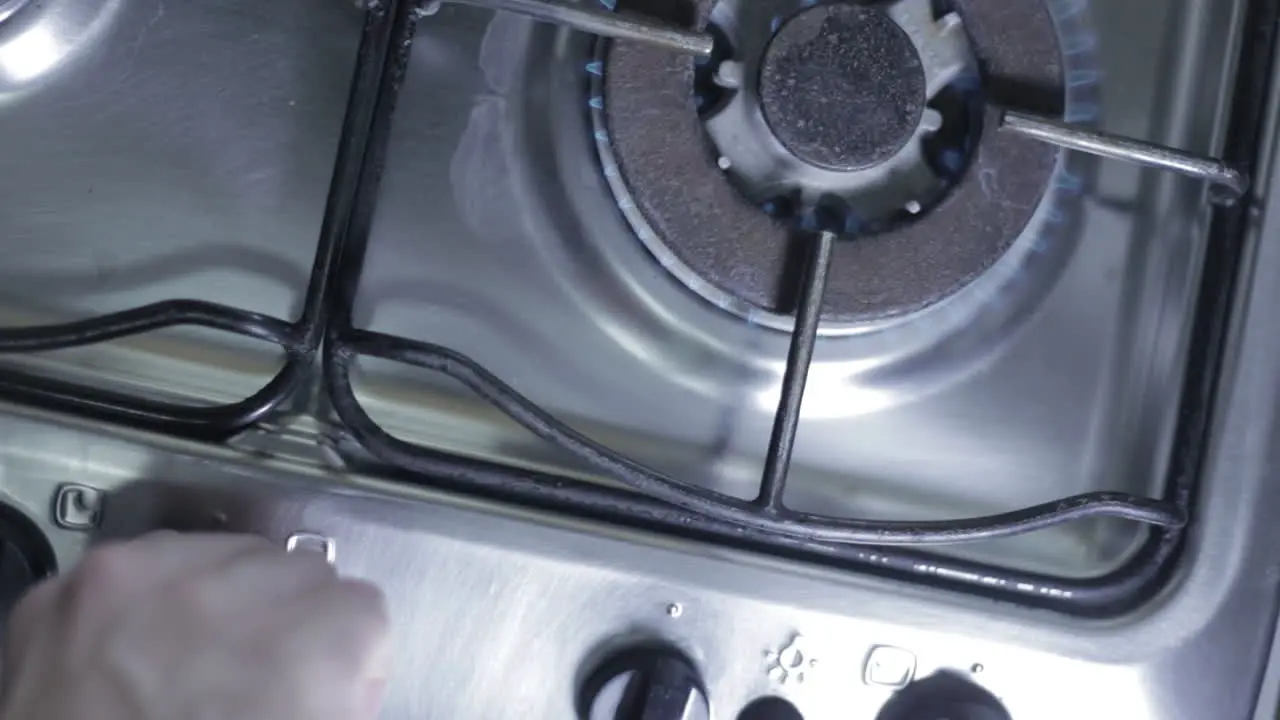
column 988, row 182
column 155, row 18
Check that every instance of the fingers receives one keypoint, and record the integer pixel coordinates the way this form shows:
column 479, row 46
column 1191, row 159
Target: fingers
column 167, row 554
column 183, row 624
column 371, row 700
column 256, row 577
column 141, row 565
column 374, row 630
column 135, row 567
column 32, row 615
column 363, row 641
column 348, row 623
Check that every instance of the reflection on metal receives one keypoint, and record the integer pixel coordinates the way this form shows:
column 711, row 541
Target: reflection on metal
column 9, row 7
column 37, row 38
column 1229, row 182
column 28, row 55
column 313, row 542
column 622, row 26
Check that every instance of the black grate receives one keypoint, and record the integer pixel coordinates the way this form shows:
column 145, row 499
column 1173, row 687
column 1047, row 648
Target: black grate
column 325, row 331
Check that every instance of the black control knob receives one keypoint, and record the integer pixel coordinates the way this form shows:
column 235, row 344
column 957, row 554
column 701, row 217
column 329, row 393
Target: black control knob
column 944, row 696
column 651, row 683
column 25, row 559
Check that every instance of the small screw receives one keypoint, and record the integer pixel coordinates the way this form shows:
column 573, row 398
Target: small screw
column 675, row 610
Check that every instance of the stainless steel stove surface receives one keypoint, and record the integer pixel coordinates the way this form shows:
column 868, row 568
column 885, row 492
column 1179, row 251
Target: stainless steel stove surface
column 1004, row 326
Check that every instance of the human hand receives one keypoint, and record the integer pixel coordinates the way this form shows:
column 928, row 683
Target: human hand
column 180, row 627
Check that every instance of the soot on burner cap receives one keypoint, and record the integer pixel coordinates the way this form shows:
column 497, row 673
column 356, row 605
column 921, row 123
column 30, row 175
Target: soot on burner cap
column 842, row 86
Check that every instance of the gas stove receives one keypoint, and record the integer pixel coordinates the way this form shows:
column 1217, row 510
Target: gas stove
column 676, row 358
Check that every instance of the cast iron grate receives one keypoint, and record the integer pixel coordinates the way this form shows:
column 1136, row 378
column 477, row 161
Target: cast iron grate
column 325, row 339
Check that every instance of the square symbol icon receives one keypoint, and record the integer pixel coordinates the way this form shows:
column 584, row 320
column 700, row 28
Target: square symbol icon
column 889, row 666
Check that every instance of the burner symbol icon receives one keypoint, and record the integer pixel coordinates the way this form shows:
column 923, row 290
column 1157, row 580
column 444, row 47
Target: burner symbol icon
column 790, row 662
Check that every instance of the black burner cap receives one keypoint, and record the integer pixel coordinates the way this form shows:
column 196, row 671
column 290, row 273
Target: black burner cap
column 842, row 86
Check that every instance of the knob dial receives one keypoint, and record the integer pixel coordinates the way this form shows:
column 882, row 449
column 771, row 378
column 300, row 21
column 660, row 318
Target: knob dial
column 645, row 684
column 25, row 559
column 944, row 696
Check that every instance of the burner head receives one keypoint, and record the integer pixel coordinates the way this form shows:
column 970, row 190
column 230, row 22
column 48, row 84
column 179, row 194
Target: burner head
column 842, row 86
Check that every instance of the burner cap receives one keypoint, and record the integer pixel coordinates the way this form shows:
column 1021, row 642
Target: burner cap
column 842, row 86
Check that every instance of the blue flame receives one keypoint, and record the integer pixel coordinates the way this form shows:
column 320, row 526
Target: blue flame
column 1076, row 78
column 852, row 225
column 952, row 161
column 1081, row 112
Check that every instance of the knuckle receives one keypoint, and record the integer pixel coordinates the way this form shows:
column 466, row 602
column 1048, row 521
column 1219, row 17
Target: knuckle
column 366, row 598
column 103, row 570
column 368, row 606
column 199, row 595
column 36, row 602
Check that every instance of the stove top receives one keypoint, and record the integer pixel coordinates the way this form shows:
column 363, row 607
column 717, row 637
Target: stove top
column 566, row 243
column 664, row 328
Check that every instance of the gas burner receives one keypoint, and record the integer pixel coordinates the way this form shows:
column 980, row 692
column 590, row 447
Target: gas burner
column 715, row 162
column 845, row 100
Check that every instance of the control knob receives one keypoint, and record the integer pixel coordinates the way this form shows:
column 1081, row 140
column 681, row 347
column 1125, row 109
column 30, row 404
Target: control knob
column 645, row 684
column 944, row 696
column 25, row 559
